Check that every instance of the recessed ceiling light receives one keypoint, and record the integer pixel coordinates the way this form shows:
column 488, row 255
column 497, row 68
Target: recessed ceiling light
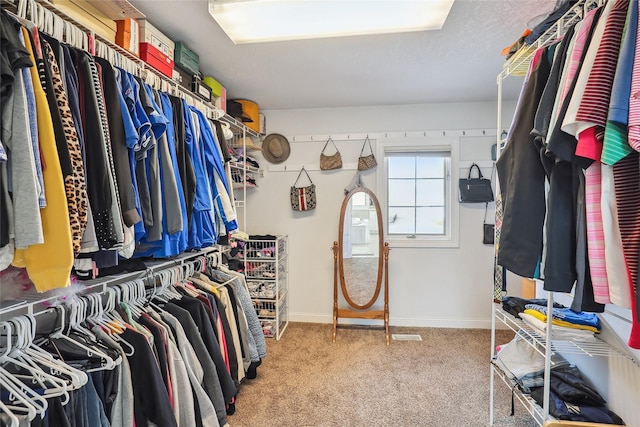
column 253, row 21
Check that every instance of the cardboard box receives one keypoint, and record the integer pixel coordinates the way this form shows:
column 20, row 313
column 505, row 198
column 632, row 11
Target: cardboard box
column 87, row 15
column 528, row 288
column 128, row 35
column 157, row 59
column 186, row 58
column 153, row 36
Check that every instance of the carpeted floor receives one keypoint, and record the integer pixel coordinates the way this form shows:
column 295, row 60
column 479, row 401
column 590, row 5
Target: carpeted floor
column 441, row 381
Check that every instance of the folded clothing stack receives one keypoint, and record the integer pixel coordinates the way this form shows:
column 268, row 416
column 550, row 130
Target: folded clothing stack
column 565, row 318
column 572, row 399
column 557, row 332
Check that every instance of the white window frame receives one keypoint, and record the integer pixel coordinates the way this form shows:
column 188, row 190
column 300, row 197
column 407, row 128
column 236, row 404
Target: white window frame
column 451, row 237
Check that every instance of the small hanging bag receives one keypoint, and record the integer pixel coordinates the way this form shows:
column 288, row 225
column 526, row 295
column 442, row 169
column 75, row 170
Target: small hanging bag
column 332, row 161
column 303, row 198
column 369, row 161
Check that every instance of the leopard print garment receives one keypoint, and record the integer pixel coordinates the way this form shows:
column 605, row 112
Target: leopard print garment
column 74, row 184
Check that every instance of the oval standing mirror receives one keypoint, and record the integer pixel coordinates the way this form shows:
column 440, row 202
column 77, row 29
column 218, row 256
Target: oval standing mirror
column 360, row 259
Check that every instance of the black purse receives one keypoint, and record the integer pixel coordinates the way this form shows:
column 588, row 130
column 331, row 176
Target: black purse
column 475, row 190
column 488, row 230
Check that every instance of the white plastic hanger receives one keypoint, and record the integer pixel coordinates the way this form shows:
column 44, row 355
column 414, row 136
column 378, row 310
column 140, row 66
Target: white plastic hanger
column 97, row 317
column 107, row 361
column 13, row 418
column 22, row 400
column 53, row 386
column 55, row 366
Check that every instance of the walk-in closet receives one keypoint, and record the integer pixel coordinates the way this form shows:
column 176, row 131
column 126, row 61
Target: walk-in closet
column 299, row 213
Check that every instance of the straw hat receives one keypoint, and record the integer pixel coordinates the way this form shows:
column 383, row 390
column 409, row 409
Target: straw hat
column 248, row 144
column 275, row 148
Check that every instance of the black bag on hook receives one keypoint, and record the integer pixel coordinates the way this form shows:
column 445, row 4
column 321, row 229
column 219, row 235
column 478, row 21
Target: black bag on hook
column 475, row 190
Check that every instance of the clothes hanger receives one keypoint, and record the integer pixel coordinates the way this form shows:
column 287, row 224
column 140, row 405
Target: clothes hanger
column 77, row 330
column 13, row 420
column 32, row 373
column 18, row 402
column 112, row 327
column 21, row 399
column 56, row 367
column 106, row 361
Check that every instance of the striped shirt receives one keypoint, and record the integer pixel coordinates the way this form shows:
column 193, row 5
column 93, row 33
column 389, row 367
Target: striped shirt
column 616, row 144
column 634, row 100
column 594, row 107
column 571, row 124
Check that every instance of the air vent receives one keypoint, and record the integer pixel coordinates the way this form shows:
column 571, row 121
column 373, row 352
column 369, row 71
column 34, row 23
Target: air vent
column 406, row 337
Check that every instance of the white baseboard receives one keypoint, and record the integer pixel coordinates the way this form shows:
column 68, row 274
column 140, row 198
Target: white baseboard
column 397, row 321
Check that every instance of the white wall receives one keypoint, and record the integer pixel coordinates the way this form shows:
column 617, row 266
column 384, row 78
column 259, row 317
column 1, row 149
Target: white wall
column 428, row 287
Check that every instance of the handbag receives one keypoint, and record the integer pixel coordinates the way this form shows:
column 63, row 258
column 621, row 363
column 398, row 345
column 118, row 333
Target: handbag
column 303, row 198
column 369, row 161
column 488, row 230
column 333, row 161
column 475, row 190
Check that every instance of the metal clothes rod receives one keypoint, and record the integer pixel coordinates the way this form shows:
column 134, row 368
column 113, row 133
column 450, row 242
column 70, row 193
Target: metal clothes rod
column 39, row 303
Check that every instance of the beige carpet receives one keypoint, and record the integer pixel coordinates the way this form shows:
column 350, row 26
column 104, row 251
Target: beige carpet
column 441, row 381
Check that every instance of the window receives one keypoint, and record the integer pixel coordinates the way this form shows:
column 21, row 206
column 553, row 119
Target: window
column 418, row 208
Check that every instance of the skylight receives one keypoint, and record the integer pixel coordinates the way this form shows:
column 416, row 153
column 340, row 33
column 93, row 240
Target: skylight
column 254, row 21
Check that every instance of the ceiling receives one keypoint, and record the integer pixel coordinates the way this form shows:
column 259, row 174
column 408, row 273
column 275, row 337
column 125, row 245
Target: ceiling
column 459, row 63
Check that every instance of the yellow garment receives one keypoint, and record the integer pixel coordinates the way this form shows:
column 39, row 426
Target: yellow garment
column 543, row 317
column 49, row 264
column 204, row 283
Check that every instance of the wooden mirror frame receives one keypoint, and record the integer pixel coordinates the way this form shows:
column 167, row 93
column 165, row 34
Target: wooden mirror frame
column 360, row 311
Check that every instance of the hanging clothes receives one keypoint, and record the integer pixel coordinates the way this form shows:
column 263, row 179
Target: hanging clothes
column 521, row 177
column 48, row 264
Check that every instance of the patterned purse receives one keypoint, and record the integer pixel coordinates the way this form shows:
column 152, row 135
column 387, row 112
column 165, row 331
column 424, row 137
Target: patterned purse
column 369, row 161
column 333, row 161
column 303, row 198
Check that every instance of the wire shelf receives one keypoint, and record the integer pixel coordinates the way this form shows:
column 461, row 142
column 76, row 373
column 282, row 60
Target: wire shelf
column 518, row 64
column 597, row 348
column 526, row 400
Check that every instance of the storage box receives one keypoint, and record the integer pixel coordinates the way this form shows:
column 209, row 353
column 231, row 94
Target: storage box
column 128, row 35
column 201, row 89
column 185, row 77
column 153, row 36
column 216, row 87
column 252, row 110
column 263, row 124
column 186, row 58
column 221, row 101
column 87, row 15
column 158, row 60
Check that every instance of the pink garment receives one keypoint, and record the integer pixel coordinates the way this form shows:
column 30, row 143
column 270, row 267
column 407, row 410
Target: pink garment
column 634, row 100
column 594, row 106
column 595, row 234
column 578, row 48
column 589, row 146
